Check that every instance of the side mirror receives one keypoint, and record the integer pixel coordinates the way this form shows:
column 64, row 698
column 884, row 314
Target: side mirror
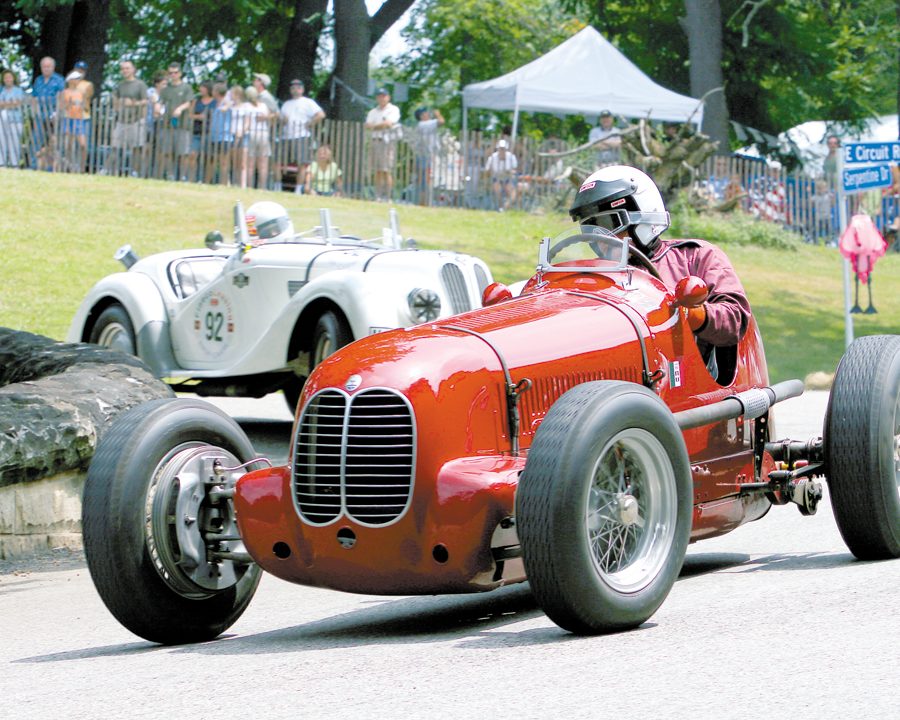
column 495, row 293
column 691, row 292
column 214, row 240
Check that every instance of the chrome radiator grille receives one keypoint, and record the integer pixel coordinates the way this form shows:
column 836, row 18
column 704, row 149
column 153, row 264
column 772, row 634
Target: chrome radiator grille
column 481, row 278
column 354, row 455
column 455, row 285
column 317, row 457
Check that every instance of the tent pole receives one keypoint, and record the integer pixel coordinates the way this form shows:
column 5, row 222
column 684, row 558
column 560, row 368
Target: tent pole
column 515, row 127
column 464, row 170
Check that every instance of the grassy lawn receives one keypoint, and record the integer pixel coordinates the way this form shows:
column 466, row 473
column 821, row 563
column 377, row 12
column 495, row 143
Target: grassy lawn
column 59, row 233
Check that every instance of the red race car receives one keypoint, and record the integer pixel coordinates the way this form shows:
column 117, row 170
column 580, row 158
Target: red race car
column 572, row 436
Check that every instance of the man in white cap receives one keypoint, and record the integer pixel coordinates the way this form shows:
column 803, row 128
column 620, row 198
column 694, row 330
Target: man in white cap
column 261, row 82
column 298, row 115
column 607, row 140
column 501, row 166
column 384, row 122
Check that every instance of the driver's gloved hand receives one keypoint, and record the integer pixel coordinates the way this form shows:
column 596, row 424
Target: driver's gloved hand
column 696, row 317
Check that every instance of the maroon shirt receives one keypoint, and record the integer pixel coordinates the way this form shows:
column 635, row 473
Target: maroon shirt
column 727, row 307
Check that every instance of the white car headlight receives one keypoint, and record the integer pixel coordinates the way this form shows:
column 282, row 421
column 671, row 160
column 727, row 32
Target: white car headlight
column 424, row 304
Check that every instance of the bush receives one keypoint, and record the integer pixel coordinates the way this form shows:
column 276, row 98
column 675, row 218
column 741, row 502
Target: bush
column 732, row 228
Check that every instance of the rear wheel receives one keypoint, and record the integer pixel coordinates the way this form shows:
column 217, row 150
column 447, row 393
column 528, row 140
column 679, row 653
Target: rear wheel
column 603, row 507
column 115, row 330
column 160, row 538
column 862, row 447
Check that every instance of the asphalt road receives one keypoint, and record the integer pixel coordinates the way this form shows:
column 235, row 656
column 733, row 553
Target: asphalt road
column 776, row 620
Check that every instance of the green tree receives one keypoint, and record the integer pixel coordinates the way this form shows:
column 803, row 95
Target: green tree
column 782, row 62
column 66, row 30
column 795, row 60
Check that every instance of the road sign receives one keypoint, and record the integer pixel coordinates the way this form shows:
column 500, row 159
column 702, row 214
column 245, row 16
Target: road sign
column 865, row 178
column 868, row 153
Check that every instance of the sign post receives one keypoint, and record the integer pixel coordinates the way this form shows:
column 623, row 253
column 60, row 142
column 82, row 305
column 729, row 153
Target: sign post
column 842, row 224
column 870, row 168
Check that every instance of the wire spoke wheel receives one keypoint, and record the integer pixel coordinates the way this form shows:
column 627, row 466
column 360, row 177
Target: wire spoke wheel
column 603, row 507
column 631, row 510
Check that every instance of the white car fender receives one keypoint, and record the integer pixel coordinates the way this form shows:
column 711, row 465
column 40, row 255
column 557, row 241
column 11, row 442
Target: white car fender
column 141, row 298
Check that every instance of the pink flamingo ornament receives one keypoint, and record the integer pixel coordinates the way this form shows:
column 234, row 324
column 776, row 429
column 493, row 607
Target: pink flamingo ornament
column 862, row 245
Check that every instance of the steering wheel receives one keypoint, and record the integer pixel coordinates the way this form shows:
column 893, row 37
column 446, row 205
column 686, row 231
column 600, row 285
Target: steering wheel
column 638, row 258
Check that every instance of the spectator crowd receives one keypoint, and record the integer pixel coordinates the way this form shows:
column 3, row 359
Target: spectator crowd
column 163, row 128
column 240, row 134
column 215, row 132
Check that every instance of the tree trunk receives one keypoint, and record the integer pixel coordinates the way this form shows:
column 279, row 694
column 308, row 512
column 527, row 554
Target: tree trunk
column 299, row 58
column 703, row 26
column 389, row 13
column 88, row 36
column 351, row 67
column 355, row 34
column 53, row 39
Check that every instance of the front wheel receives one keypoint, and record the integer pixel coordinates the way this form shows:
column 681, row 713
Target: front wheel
column 330, row 334
column 862, row 447
column 115, row 330
column 159, row 530
column 603, row 507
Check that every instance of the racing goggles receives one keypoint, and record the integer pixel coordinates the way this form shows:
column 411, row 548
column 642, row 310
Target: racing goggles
column 272, row 228
column 616, row 221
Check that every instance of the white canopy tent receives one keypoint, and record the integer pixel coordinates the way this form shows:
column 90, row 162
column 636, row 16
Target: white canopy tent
column 583, row 75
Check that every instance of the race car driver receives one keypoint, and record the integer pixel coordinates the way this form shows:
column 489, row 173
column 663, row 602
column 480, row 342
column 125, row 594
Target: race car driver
column 625, row 201
column 269, row 222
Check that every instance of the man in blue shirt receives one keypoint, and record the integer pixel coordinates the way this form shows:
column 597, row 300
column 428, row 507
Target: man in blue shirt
column 44, row 90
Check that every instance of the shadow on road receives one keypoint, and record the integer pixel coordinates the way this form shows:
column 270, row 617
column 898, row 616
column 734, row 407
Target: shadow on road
column 701, row 564
column 476, row 620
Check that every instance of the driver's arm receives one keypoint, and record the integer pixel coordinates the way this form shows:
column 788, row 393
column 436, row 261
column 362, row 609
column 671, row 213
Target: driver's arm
column 727, row 310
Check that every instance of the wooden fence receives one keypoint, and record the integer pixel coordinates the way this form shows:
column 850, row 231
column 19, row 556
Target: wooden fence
column 235, row 148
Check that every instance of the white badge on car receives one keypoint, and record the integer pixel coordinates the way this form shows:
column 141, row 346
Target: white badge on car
column 353, row 382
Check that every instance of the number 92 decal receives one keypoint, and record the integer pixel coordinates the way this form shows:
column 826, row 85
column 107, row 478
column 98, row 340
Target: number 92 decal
column 214, row 323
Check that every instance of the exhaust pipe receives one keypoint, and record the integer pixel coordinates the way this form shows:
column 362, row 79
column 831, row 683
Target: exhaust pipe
column 749, row 404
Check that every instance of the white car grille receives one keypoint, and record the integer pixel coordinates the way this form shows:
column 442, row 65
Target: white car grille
column 455, row 285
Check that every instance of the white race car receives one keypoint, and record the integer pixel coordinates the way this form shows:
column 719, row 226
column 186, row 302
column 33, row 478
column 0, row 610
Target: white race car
column 256, row 316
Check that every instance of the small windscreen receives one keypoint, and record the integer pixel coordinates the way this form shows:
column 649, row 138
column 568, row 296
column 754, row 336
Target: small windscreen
column 580, row 245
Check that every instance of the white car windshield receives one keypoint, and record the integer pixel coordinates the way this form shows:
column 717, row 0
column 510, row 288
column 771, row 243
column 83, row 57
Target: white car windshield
column 584, row 248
